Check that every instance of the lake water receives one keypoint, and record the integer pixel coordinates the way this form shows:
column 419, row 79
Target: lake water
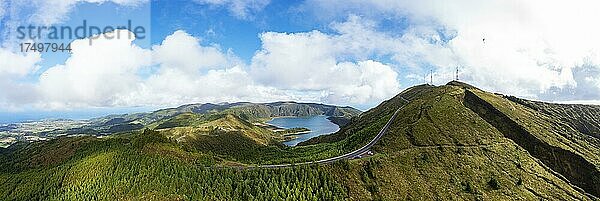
column 318, row 125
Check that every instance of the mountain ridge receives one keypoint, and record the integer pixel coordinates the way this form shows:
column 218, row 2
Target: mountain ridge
column 446, row 118
column 453, row 141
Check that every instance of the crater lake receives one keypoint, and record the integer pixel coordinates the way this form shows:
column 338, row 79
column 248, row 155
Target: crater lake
column 318, row 125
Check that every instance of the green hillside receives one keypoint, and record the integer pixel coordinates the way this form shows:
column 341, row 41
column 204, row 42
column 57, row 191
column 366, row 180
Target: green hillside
column 194, row 113
column 584, row 118
column 459, row 142
column 447, row 142
column 147, row 166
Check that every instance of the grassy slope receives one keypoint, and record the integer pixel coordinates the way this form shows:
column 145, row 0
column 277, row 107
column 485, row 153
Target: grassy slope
column 439, row 148
column 221, row 124
column 547, row 128
column 583, row 118
column 235, row 139
column 560, row 147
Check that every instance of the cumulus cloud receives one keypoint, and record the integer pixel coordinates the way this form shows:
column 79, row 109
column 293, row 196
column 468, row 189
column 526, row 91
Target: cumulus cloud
column 363, row 82
column 531, row 48
column 14, row 66
column 96, row 74
column 190, row 72
column 181, row 50
column 18, row 64
column 318, row 61
column 242, row 9
column 353, row 61
column 105, row 72
column 174, row 87
column 308, row 66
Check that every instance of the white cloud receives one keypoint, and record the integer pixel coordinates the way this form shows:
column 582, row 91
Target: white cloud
column 106, row 74
column 528, row 51
column 532, row 48
column 16, row 94
column 300, row 66
column 242, row 9
column 189, row 72
column 175, row 87
column 181, row 50
column 363, row 82
column 18, row 64
column 316, row 61
column 284, row 59
column 15, row 66
column 96, row 74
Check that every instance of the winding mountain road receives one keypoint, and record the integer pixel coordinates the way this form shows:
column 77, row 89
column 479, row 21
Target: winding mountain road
column 351, row 155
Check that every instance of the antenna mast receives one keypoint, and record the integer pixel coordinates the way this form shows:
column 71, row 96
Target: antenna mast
column 431, row 74
column 457, row 73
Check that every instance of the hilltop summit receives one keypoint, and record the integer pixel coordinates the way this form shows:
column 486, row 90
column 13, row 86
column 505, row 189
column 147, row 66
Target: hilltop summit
column 459, row 141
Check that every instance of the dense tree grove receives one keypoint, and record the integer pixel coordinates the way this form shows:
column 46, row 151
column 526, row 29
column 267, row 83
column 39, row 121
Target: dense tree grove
column 117, row 169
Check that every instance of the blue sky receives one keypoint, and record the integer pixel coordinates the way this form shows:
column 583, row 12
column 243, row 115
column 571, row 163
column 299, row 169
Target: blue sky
column 356, row 53
column 101, row 15
column 217, row 25
column 213, row 24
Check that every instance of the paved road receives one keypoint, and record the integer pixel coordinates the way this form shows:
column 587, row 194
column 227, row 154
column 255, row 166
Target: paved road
column 350, row 155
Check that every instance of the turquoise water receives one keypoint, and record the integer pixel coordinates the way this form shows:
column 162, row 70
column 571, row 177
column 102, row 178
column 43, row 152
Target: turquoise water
column 319, row 125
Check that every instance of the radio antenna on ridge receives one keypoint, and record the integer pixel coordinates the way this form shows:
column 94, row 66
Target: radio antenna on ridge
column 431, row 74
column 457, row 73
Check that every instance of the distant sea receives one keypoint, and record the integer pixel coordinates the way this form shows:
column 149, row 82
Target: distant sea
column 22, row 116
